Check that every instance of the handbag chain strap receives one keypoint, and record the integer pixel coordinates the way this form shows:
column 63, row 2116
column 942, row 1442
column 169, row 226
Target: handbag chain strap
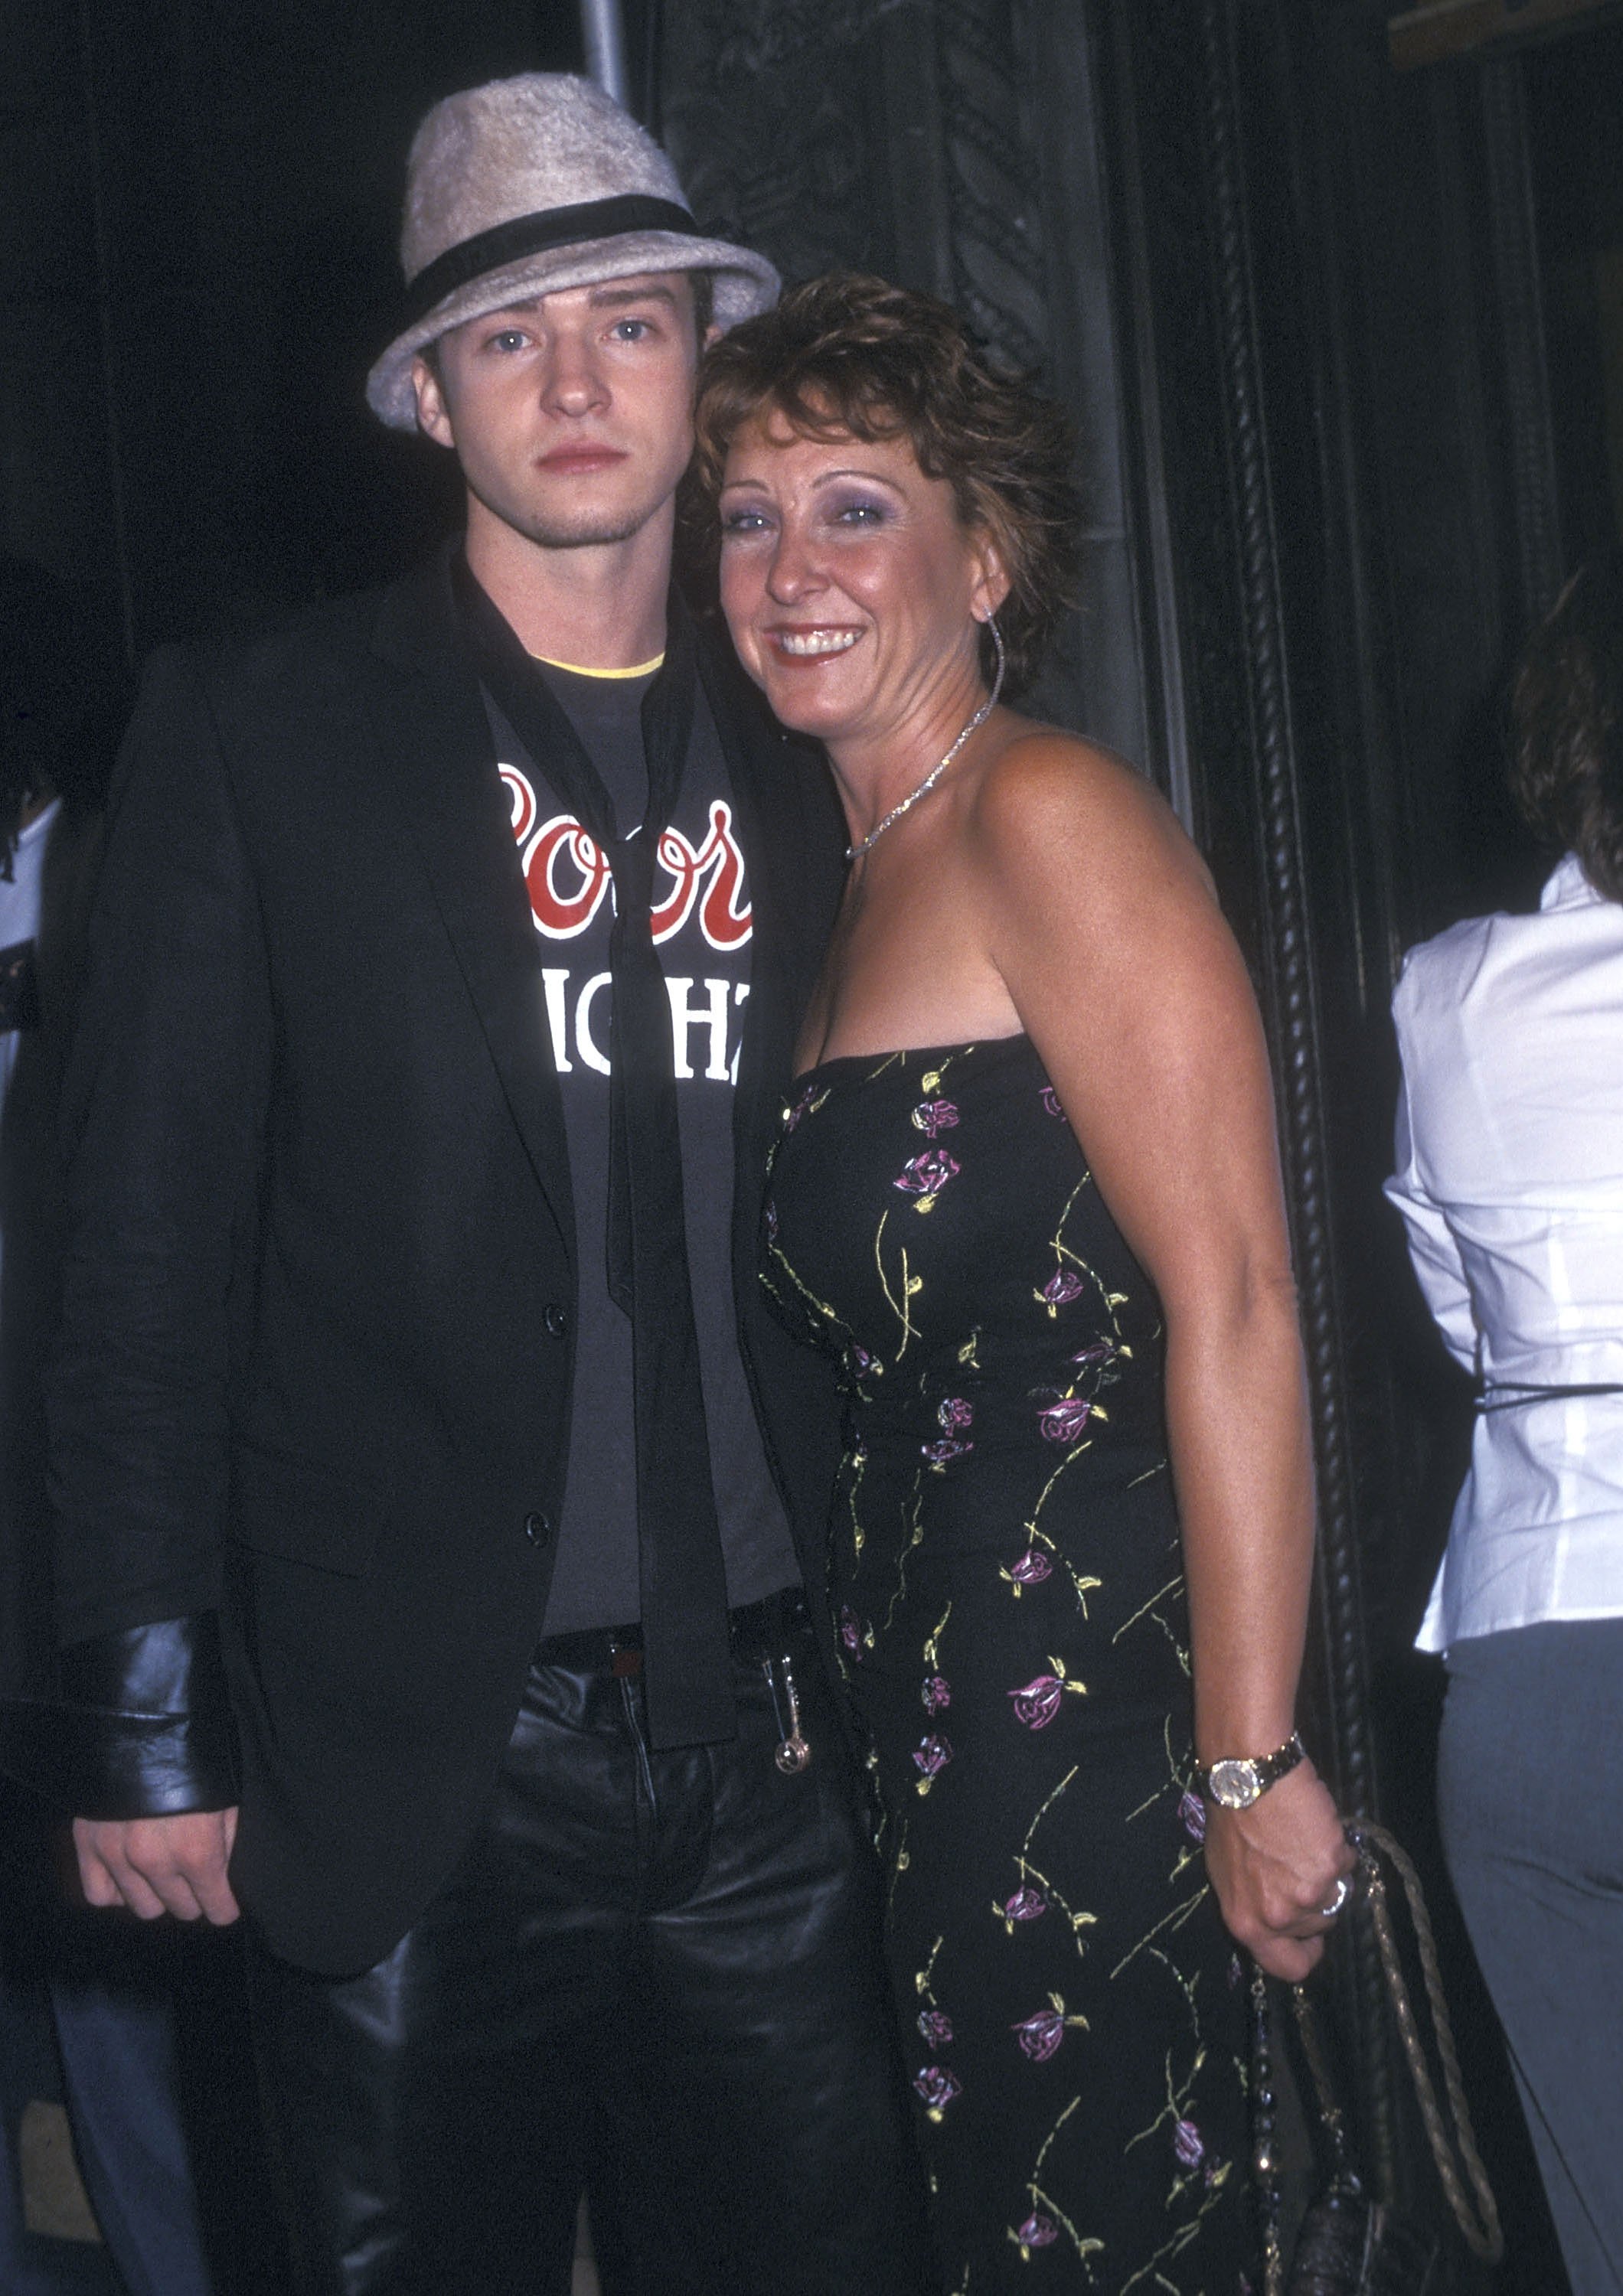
column 1475, row 2212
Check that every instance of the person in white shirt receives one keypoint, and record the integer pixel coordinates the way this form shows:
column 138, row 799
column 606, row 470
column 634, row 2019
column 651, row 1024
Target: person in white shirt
column 1510, row 1181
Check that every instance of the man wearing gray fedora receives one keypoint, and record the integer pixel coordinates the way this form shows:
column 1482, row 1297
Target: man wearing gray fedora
column 435, row 1498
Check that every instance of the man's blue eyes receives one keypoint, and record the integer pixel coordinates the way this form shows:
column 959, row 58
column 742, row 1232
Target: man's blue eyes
column 626, row 330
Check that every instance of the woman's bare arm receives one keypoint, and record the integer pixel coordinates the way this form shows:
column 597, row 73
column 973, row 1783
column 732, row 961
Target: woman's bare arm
column 1102, row 921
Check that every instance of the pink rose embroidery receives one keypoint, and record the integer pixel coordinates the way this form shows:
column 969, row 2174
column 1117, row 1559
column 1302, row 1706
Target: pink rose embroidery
column 926, row 1174
column 792, row 1116
column 1038, row 2231
column 937, row 1693
column 936, row 2026
column 1051, row 1101
column 930, row 1758
column 1062, row 1286
column 1041, row 2036
column 1038, row 1704
column 1191, row 1810
column 1063, row 1421
column 933, row 1116
column 1188, row 2144
column 1031, row 1568
column 938, row 2088
column 1099, row 1351
column 851, row 1631
column 953, row 1414
column 1025, row 1904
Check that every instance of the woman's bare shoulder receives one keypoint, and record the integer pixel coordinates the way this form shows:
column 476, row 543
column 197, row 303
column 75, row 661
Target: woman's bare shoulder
column 1051, row 797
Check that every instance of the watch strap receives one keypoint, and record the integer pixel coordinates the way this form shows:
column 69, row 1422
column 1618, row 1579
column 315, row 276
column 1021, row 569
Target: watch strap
column 1267, row 1769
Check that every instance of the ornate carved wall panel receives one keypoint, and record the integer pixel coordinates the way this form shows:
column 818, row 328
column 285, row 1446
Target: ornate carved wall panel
column 948, row 145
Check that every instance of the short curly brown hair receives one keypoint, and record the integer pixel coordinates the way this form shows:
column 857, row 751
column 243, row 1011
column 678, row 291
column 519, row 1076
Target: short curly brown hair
column 1567, row 724
column 847, row 356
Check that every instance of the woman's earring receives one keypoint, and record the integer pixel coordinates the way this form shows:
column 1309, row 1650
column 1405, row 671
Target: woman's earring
column 1002, row 652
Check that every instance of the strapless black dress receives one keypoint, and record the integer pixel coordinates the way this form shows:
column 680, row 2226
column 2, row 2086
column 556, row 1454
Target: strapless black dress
column 1007, row 1575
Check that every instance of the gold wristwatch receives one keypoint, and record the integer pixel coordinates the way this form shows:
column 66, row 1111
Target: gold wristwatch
column 1242, row 1779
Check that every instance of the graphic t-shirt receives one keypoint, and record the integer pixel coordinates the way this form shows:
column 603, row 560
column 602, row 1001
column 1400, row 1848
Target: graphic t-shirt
column 702, row 931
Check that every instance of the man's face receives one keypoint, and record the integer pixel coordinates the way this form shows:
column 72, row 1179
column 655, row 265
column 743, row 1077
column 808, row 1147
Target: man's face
column 572, row 415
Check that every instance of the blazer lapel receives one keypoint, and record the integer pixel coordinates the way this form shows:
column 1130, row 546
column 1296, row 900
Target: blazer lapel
column 428, row 719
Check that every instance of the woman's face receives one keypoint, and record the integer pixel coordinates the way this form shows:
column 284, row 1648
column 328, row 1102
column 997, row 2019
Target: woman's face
column 854, row 592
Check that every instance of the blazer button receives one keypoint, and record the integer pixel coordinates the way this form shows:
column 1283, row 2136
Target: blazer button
column 556, row 1320
column 538, row 1528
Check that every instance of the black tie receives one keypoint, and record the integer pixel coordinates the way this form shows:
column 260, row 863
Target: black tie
column 685, row 1668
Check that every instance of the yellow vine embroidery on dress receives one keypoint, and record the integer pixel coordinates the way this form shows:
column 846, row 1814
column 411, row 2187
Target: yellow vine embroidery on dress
column 1172, row 1782
column 821, row 1307
column 1193, row 2168
column 1081, row 1584
column 898, row 1863
column 915, row 1539
column 1038, row 2229
column 858, row 1462
column 911, row 1285
column 1035, row 1885
column 1174, row 1920
column 1174, row 1588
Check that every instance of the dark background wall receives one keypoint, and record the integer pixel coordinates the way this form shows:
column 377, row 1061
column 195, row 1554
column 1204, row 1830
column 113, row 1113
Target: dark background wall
column 197, row 266
column 1344, row 345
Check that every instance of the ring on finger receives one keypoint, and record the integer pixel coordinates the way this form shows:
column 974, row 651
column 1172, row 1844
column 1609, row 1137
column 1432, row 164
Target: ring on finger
column 1344, row 1890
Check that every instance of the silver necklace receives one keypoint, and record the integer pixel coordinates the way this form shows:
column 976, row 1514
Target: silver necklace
column 855, row 852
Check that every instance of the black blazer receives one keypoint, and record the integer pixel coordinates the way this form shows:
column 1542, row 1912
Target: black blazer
column 319, row 1294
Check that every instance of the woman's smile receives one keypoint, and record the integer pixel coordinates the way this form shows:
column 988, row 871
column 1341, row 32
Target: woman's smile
column 852, row 587
column 813, row 644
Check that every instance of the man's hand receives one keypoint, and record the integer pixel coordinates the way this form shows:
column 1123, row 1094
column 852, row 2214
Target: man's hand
column 1275, row 1867
column 160, row 1865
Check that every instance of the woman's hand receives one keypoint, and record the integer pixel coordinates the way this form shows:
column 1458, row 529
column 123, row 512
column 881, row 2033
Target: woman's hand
column 1276, row 1867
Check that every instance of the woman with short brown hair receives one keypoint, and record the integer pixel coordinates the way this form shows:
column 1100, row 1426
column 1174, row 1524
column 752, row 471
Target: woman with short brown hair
column 1027, row 1194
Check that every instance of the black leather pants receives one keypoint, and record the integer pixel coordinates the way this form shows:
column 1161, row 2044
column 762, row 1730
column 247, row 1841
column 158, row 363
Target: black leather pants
column 653, row 1973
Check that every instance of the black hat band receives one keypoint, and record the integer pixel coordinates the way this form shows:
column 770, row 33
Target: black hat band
column 534, row 235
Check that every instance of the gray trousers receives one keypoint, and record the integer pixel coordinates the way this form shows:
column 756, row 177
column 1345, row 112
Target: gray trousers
column 1530, row 1789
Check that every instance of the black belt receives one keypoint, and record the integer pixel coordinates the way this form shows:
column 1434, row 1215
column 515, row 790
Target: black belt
column 754, row 1631
column 1513, row 1394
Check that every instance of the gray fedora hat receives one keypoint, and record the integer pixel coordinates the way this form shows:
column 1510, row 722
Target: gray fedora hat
column 528, row 186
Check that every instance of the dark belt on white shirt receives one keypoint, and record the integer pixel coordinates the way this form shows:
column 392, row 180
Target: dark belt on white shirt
column 1513, row 1394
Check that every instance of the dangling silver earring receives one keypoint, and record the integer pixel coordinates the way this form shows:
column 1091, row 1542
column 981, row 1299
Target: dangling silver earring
column 998, row 648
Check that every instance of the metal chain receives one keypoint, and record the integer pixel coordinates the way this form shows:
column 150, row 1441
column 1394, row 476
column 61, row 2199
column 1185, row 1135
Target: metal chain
column 855, row 852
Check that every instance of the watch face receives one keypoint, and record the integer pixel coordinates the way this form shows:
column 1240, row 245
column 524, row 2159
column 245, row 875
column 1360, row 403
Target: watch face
column 1235, row 1785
